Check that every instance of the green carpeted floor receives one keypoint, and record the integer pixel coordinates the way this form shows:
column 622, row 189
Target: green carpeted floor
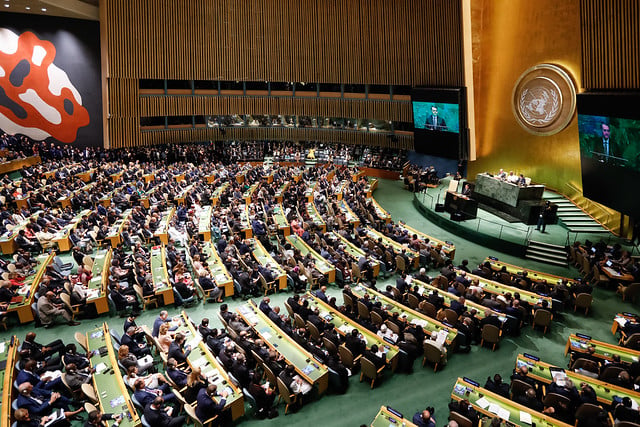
column 410, row 393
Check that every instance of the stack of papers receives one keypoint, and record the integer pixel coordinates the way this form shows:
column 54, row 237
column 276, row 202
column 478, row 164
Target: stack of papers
column 101, row 367
column 525, row 417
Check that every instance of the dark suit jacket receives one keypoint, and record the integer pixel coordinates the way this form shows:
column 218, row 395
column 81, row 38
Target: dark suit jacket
column 156, row 418
column 207, row 407
column 177, row 376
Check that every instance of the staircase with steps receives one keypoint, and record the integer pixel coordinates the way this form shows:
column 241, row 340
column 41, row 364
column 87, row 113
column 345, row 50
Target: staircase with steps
column 547, row 252
column 574, row 218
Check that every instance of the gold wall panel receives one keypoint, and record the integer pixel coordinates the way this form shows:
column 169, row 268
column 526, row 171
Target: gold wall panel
column 610, row 44
column 510, row 36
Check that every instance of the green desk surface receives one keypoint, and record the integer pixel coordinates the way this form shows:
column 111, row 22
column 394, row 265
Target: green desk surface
column 322, row 264
column 10, row 235
column 309, row 368
column 249, row 192
column 380, row 212
column 344, row 326
column 7, row 354
column 539, row 371
column 279, row 217
column 448, row 247
column 498, row 288
column 411, row 316
column 536, row 276
column 351, row 217
column 108, row 383
column 31, row 282
column 262, row 256
column 387, row 419
column 117, row 226
column 448, row 297
column 387, row 241
column 352, row 250
column 202, row 357
column 204, row 220
column 99, row 273
column 218, row 271
column 163, row 226
column 159, row 272
column 64, row 231
column 314, row 215
column 219, row 190
column 311, row 185
column 511, row 411
column 184, row 192
column 280, row 191
column 605, row 351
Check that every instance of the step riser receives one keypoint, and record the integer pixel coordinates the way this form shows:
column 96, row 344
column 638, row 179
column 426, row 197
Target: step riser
column 559, row 258
column 563, row 264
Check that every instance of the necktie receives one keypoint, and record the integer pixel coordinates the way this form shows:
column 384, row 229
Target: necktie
column 606, row 147
column 435, row 121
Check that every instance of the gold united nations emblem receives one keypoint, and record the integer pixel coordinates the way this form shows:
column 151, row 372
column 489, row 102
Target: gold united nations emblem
column 544, row 99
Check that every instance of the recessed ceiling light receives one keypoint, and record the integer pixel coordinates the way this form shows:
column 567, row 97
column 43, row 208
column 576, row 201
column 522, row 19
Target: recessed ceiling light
column 28, row 7
column 6, row 5
column 44, row 9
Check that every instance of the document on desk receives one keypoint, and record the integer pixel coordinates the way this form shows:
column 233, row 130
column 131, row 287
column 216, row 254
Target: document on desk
column 100, row 367
column 482, row 403
column 494, row 408
column 195, row 341
column 504, row 414
column 525, row 417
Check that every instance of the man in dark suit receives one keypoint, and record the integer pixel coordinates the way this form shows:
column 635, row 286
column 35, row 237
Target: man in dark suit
column 40, row 402
column 207, row 407
column 146, row 395
column 490, row 319
column 434, row 121
column 373, row 357
column 354, row 343
column 178, row 376
column 401, row 283
column 139, row 349
column 177, row 349
column 158, row 415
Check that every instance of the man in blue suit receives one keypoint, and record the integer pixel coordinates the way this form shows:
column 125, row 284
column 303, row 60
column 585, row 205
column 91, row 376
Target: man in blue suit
column 207, row 407
column 27, row 375
column 40, row 402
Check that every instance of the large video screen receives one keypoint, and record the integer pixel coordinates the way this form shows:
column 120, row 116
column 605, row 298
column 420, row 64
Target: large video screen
column 609, row 134
column 439, row 121
column 436, row 116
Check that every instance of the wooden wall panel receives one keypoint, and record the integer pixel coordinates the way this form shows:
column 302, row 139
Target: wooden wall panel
column 610, row 44
column 400, row 42
column 153, row 106
column 289, row 134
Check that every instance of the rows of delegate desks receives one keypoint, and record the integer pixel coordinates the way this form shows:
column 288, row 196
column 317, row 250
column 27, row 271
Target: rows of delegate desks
column 311, row 370
column 447, row 247
column 321, row 264
column 160, row 276
column 115, row 231
column 97, row 293
column 62, row 237
column 344, row 325
column 8, row 357
column 533, row 275
column 497, row 288
column 355, row 252
column 202, row 357
column 8, row 243
column 414, row 257
column 409, row 315
column 162, row 232
column 425, row 289
column 605, row 392
column 111, row 391
column 219, row 272
column 578, row 343
column 389, row 417
column 204, row 223
column 263, row 258
column 26, row 292
column 492, row 404
column 281, row 220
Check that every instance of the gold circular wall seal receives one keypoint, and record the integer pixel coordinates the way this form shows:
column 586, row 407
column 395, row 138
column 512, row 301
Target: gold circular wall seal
column 544, row 99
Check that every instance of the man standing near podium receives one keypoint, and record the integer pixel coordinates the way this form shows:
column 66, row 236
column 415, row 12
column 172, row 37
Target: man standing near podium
column 435, row 122
column 545, row 214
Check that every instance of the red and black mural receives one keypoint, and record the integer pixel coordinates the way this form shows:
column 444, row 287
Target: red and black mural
column 50, row 79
